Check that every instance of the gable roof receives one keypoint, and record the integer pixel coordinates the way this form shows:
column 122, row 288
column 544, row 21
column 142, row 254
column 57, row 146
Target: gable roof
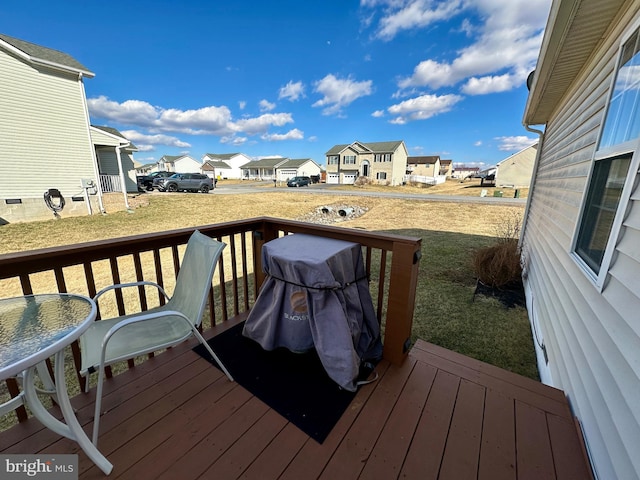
column 216, row 164
column 221, row 156
column 44, row 56
column 296, row 162
column 115, row 133
column 424, row 160
column 574, row 29
column 375, row 147
column 265, row 162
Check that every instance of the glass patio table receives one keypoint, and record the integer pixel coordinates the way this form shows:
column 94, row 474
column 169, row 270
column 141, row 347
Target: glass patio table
column 32, row 329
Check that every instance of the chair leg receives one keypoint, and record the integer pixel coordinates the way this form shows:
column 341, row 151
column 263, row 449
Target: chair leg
column 96, row 413
column 212, row 353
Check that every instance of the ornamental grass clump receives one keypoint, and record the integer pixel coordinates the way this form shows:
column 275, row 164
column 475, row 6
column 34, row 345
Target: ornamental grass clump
column 499, row 265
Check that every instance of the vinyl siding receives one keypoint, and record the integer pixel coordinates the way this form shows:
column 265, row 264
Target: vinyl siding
column 43, row 131
column 592, row 338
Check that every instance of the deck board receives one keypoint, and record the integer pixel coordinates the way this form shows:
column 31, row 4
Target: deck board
column 438, row 415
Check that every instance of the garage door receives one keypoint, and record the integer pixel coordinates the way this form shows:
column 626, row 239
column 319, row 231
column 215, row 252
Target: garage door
column 349, row 178
column 333, row 178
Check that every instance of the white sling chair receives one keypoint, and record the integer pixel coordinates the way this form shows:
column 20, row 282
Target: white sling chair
column 121, row 338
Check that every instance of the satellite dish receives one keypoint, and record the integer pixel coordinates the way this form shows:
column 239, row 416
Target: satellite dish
column 530, row 79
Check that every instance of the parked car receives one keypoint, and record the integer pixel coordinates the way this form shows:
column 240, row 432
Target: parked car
column 188, row 182
column 299, row 182
column 145, row 182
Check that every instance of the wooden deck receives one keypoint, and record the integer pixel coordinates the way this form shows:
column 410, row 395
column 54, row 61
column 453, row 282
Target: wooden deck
column 439, row 415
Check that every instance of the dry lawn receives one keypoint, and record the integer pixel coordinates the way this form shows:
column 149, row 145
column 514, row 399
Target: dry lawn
column 170, row 211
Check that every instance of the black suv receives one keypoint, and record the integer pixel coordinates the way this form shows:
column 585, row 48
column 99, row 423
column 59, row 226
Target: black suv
column 145, row 182
column 299, row 182
column 189, row 182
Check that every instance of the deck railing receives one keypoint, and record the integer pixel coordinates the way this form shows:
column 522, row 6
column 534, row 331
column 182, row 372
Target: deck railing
column 391, row 262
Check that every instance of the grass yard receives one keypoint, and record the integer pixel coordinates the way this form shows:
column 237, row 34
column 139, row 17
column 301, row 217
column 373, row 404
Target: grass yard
column 446, row 312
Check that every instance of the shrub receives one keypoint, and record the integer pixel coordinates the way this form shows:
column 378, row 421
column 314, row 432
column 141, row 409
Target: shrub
column 499, row 265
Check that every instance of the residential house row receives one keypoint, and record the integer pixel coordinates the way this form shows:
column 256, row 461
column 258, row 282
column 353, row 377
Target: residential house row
column 237, row 166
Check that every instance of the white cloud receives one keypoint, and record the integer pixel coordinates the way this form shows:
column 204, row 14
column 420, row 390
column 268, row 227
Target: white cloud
column 266, row 106
column 242, row 104
column 491, row 84
column 478, row 143
column 339, row 93
column 506, row 37
column 422, row 107
column 258, row 125
column 292, row 91
column 416, row 14
column 210, row 120
column 516, row 143
column 157, row 139
column 378, row 114
column 232, row 140
column 294, row 134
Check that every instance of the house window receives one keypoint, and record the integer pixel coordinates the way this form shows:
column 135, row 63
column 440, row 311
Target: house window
column 607, row 192
column 603, row 198
column 333, row 160
column 381, row 175
column 377, row 157
column 349, row 160
column 387, row 157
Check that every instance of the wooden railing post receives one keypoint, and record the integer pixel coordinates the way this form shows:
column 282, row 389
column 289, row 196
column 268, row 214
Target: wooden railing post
column 261, row 236
column 401, row 301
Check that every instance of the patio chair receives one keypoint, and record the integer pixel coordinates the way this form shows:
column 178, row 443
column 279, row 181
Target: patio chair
column 121, row 338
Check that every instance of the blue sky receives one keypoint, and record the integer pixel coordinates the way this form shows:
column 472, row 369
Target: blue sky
column 295, row 78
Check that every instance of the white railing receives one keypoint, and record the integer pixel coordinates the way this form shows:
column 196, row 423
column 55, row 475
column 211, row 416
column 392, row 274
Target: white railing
column 110, row 183
column 437, row 180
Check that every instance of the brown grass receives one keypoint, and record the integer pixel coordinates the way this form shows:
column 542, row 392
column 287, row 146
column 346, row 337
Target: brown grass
column 498, row 265
column 171, row 211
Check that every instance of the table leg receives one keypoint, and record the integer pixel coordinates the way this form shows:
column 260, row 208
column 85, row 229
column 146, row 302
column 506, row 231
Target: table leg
column 72, row 429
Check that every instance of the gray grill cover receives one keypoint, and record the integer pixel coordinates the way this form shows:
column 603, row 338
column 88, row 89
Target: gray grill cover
column 317, row 295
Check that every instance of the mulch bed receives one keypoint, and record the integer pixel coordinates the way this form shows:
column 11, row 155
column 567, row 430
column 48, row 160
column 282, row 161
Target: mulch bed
column 510, row 295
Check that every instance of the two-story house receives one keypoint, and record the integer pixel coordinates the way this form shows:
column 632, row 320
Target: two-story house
column 224, row 165
column 381, row 162
column 179, row 164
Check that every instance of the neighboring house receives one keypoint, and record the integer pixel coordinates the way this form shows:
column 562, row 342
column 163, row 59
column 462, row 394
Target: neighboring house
column 425, row 170
column 262, row 169
column 235, row 161
column 114, row 154
column 428, row 166
column 297, row 167
column 216, row 169
column 446, row 168
column 45, row 134
column 178, row 164
column 581, row 233
column 515, row 171
column 382, row 162
column 462, row 172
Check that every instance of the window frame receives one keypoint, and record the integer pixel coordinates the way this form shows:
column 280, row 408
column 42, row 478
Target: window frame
column 610, row 152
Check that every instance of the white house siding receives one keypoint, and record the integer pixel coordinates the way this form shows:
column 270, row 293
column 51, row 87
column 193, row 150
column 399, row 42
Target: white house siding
column 43, row 129
column 187, row 165
column 399, row 165
column 515, row 171
column 592, row 339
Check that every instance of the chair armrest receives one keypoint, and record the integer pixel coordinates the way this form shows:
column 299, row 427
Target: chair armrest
column 120, row 286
